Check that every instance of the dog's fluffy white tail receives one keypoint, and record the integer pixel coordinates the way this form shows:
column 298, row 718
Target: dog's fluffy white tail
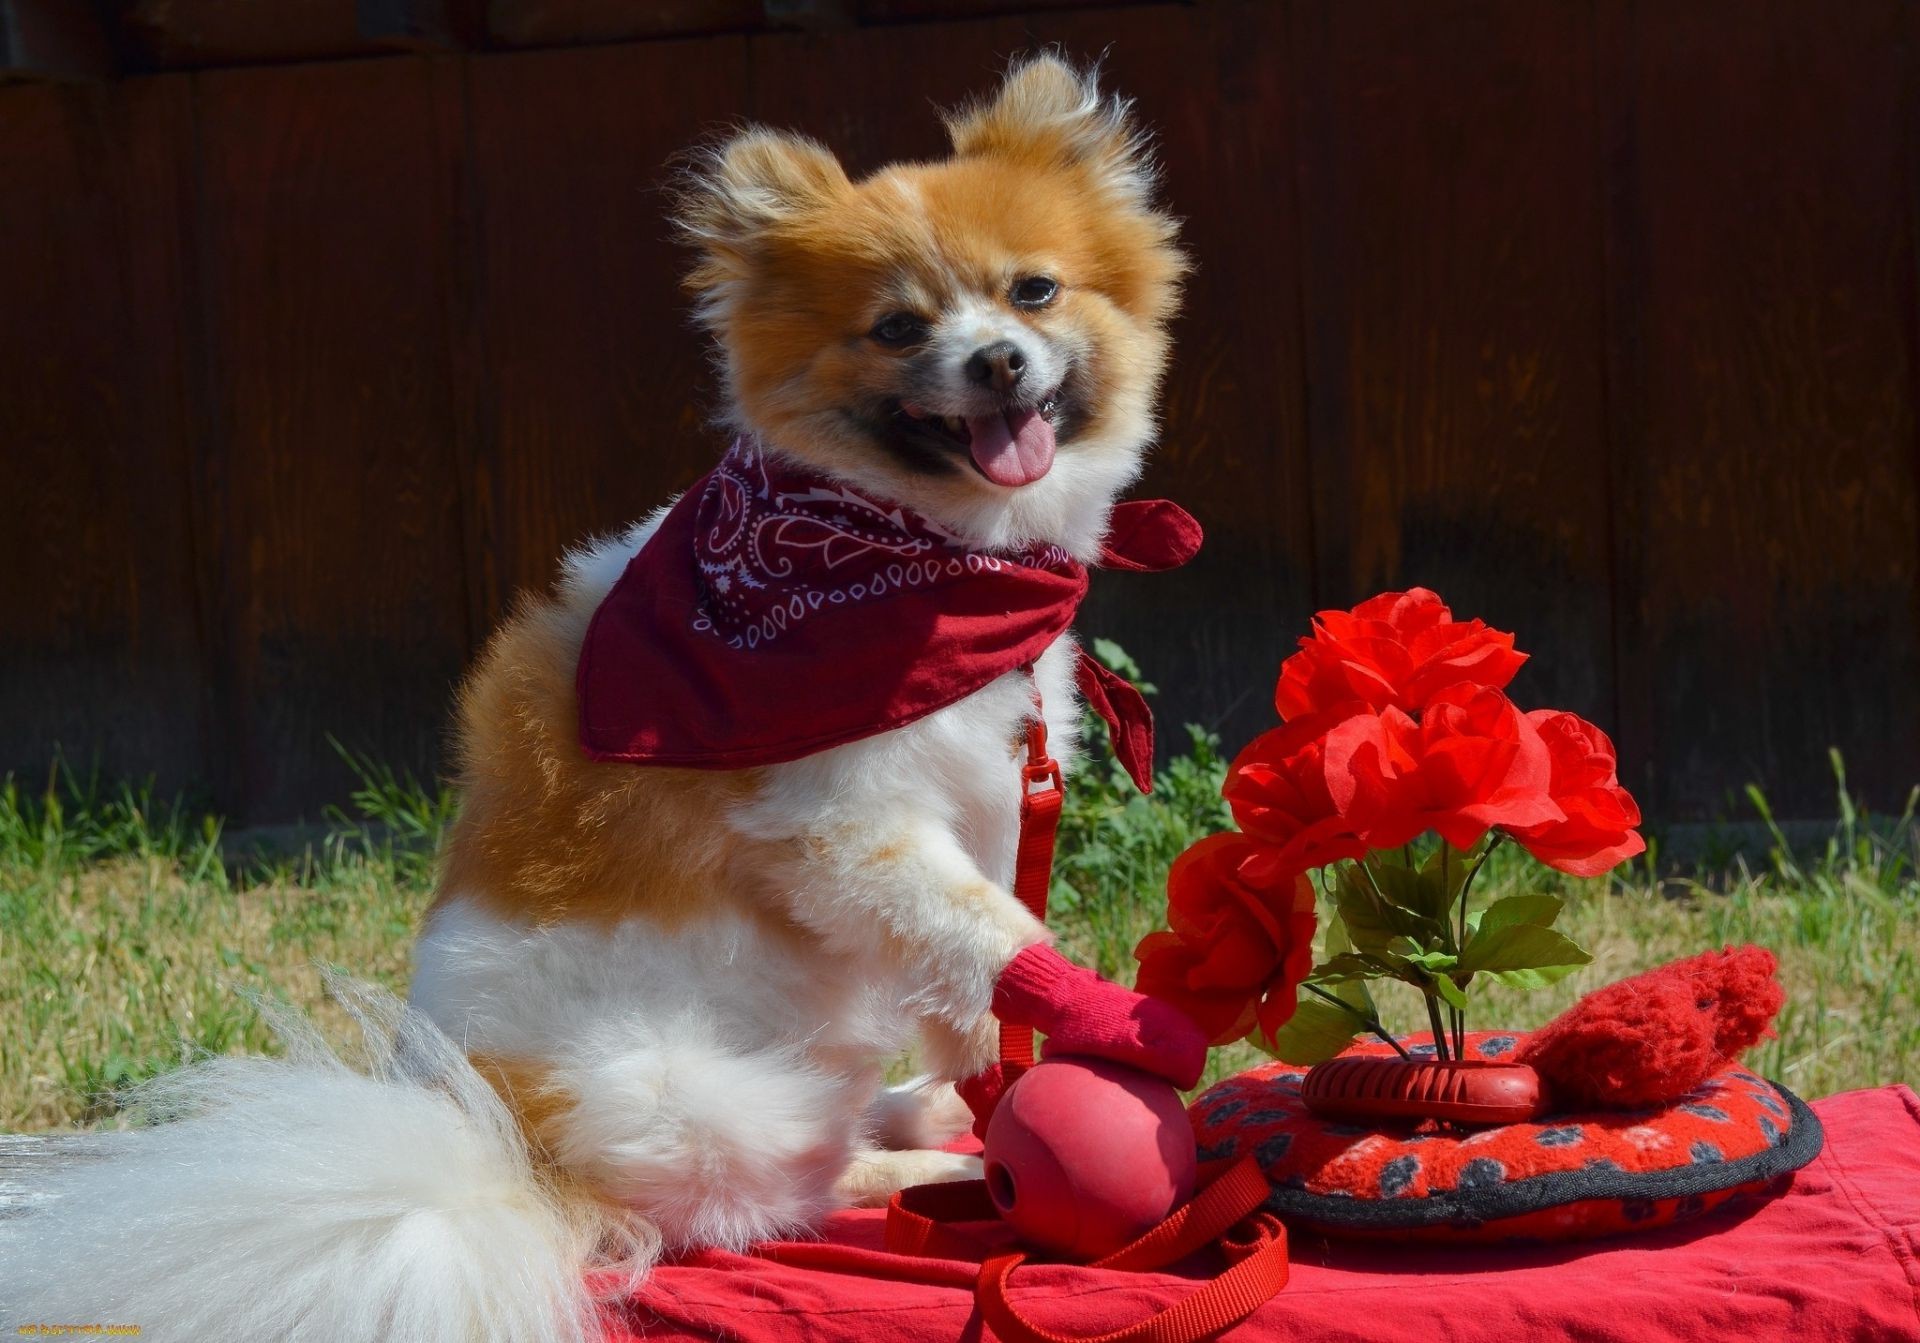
column 304, row 1199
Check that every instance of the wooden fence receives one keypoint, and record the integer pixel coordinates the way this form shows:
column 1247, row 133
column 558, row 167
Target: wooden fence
column 1600, row 318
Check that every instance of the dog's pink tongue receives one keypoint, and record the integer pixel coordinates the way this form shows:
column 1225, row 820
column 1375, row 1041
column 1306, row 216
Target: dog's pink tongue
column 1015, row 448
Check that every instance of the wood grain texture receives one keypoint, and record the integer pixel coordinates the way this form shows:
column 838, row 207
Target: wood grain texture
column 874, row 95
column 334, row 529
column 184, row 34
column 52, row 39
column 541, row 23
column 1454, row 350
column 99, row 644
column 596, row 390
column 894, row 10
column 1765, row 368
column 1216, row 87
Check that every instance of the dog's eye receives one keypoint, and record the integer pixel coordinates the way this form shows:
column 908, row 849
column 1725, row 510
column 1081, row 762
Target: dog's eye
column 1035, row 291
column 899, row 328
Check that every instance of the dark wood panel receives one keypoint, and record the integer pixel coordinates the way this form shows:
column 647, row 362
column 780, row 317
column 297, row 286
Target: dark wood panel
column 1216, row 87
column 1764, row 357
column 175, row 34
column 52, row 39
column 304, row 369
column 336, row 527
column 884, row 11
column 543, row 23
column 99, row 650
column 1454, row 350
column 874, row 95
column 597, row 388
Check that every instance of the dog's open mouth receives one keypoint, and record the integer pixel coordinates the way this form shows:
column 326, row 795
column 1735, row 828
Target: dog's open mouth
column 1011, row 447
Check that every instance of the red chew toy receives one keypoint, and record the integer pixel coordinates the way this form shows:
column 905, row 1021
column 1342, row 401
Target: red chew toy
column 1084, row 1156
column 1651, row 1039
column 1470, row 1091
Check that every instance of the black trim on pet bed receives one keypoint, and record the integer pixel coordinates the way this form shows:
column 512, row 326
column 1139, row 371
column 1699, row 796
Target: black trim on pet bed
column 1516, row 1198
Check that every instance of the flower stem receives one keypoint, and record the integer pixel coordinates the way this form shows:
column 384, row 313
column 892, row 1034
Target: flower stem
column 1440, row 1050
column 1367, row 1019
column 1466, row 889
column 1455, row 1017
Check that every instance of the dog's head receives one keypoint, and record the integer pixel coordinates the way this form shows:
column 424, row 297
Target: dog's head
column 981, row 338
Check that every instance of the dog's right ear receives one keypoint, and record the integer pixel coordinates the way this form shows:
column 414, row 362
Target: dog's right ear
column 734, row 192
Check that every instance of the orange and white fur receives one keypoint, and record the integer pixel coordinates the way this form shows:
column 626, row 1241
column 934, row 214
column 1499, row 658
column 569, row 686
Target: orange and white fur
column 651, row 1008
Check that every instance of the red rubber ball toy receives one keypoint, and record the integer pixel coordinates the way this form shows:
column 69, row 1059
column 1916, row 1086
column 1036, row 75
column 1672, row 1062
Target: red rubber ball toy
column 1083, row 1156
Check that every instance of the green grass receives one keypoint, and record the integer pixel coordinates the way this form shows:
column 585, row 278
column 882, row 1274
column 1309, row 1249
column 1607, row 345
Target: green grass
column 125, row 933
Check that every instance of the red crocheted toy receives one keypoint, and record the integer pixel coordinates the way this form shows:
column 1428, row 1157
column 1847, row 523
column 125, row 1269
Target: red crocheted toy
column 1651, row 1039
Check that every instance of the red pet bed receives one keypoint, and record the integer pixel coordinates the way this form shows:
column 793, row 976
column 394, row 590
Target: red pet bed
column 1572, row 1175
column 1836, row 1257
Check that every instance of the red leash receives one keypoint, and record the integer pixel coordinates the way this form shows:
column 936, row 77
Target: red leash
column 926, row 1245
column 1041, row 793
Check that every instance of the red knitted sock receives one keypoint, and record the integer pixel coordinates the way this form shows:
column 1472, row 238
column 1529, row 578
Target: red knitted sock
column 1081, row 1013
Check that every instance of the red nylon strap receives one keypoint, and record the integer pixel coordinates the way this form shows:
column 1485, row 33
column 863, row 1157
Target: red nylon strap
column 921, row 1235
column 1041, row 792
column 1226, row 1212
column 921, row 1220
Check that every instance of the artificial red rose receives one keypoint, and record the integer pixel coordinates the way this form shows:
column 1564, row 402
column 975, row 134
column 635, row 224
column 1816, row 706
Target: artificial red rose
column 1239, row 938
column 1396, row 650
column 1277, row 788
column 1597, row 831
column 1471, row 761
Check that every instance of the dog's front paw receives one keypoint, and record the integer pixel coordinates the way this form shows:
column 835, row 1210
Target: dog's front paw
column 875, row 1177
column 923, row 1113
column 1081, row 1013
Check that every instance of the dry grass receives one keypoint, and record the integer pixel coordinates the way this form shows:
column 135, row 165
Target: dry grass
column 124, row 936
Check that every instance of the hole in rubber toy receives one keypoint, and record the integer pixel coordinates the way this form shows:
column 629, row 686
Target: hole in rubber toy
column 1000, row 1187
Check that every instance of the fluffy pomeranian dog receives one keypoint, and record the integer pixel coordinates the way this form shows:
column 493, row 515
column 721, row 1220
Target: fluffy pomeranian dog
column 652, row 1007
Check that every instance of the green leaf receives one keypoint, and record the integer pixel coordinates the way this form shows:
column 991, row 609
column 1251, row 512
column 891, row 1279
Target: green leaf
column 1521, row 946
column 1351, row 965
column 1450, row 991
column 1334, row 939
column 1538, row 910
column 1316, row 1032
column 1439, row 881
column 1435, row 962
column 1536, row 976
column 1374, row 923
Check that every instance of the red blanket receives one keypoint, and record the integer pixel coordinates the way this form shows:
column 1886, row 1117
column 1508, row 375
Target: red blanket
column 1836, row 1258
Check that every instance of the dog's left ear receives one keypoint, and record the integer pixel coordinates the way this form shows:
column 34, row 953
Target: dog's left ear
column 1049, row 113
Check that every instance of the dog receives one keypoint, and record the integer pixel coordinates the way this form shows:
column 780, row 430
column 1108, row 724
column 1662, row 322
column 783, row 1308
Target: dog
column 652, row 1004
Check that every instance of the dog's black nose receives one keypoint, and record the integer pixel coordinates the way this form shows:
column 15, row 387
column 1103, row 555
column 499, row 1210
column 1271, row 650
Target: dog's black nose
column 998, row 365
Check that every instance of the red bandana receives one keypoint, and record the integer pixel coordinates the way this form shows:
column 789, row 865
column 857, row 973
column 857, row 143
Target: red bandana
column 775, row 614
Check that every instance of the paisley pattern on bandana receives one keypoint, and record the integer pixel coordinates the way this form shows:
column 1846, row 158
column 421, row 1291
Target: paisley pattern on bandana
column 773, row 547
column 774, row 613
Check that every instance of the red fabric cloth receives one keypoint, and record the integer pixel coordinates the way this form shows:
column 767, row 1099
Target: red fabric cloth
column 1081, row 1013
column 1835, row 1259
column 775, row 614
